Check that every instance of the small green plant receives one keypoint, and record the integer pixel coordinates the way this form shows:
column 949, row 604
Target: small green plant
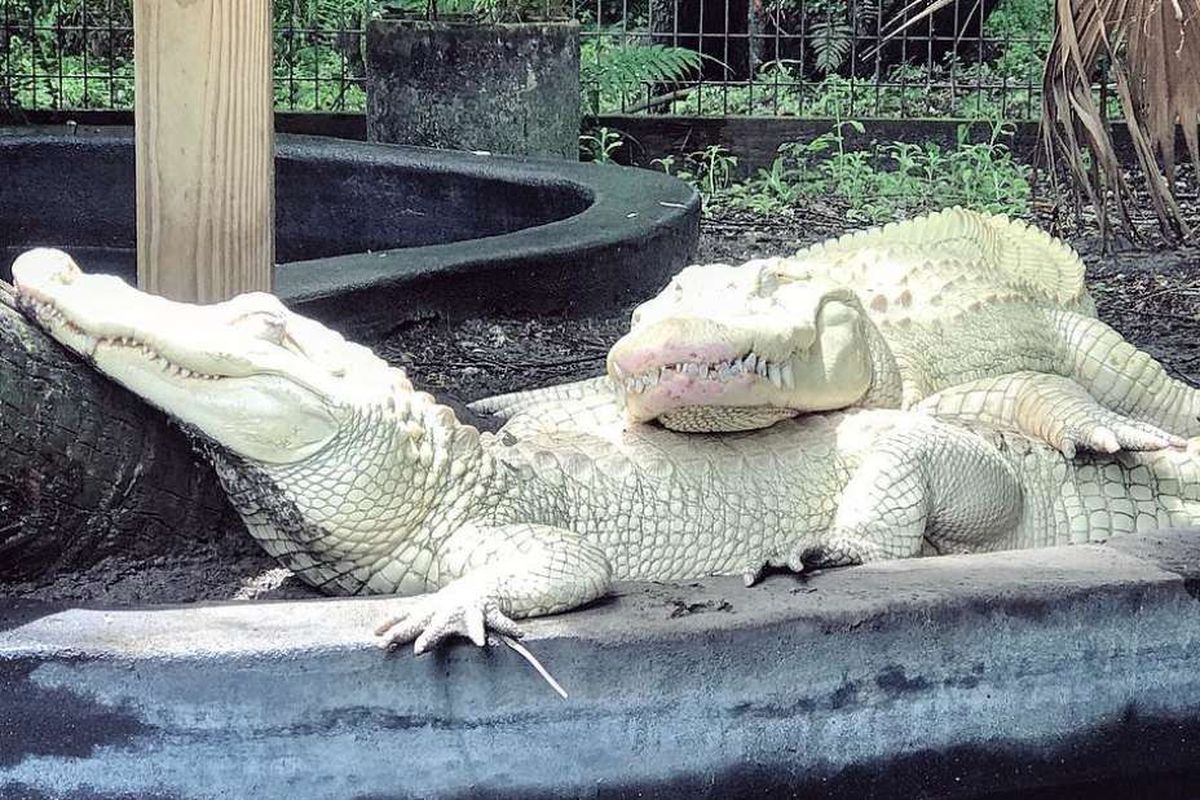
column 600, row 145
column 716, row 167
column 711, row 170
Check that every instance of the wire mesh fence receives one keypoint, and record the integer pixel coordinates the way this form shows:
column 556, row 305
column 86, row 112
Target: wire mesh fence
column 804, row 58
column 816, row 58
column 66, row 54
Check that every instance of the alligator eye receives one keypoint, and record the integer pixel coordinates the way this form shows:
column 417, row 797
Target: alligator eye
column 768, row 281
column 265, row 325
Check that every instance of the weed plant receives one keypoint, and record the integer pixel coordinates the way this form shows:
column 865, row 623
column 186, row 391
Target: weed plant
column 875, row 184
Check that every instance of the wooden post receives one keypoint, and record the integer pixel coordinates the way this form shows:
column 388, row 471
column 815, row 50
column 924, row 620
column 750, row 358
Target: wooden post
column 205, row 147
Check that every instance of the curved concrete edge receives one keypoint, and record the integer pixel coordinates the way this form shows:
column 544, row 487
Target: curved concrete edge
column 641, row 227
column 955, row 676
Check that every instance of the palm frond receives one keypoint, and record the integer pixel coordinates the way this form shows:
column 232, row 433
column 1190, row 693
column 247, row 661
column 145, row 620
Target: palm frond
column 1152, row 50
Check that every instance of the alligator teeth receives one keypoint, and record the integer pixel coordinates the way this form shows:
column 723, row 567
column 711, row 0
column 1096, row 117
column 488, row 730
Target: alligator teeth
column 760, row 368
column 750, row 362
column 788, row 376
column 775, row 375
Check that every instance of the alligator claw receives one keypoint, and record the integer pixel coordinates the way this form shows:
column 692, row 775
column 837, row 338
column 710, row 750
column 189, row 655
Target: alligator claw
column 752, row 575
column 1118, row 434
column 430, row 619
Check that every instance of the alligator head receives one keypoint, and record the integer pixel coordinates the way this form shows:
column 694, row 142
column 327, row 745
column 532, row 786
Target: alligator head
column 726, row 348
column 265, row 383
column 333, row 444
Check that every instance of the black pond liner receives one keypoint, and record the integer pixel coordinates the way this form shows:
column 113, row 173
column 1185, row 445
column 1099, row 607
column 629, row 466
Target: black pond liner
column 368, row 235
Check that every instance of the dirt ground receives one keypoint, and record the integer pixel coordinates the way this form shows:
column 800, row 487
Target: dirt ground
column 1148, row 292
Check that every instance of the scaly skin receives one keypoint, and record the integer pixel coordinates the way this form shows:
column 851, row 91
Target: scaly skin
column 887, row 318
column 361, row 485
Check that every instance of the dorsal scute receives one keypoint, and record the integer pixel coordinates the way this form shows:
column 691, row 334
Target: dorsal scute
column 1014, row 254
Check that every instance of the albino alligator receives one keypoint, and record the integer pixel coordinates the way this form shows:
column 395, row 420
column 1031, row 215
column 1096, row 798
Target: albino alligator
column 951, row 303
column 360, row 484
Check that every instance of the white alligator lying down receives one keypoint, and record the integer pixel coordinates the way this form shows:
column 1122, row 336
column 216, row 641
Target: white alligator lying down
column 360, row 484
column 966, row 305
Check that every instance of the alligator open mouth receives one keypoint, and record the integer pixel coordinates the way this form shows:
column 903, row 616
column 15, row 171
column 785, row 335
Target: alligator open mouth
column 734, row 394
column 750, row 366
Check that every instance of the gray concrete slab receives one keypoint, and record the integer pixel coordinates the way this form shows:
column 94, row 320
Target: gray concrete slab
column 948, row 677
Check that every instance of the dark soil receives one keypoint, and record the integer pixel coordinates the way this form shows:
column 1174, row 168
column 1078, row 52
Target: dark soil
column 1149, row 293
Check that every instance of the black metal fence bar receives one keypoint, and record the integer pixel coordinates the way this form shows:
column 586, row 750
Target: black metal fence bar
column 794, row 58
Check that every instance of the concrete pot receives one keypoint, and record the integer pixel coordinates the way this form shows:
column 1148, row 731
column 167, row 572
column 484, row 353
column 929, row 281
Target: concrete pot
column 511, row 88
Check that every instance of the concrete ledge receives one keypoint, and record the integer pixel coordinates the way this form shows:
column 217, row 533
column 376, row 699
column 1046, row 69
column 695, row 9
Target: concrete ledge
column 949, row 677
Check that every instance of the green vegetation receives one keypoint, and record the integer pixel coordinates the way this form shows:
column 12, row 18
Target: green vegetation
column 49, row 46
column 600, row 145
column 79, row 54
column 875, row 184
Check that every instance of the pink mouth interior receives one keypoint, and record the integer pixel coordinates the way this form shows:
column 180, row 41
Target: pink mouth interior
column 677, row 390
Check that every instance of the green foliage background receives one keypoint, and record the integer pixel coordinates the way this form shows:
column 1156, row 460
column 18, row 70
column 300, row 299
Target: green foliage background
column 78, row 54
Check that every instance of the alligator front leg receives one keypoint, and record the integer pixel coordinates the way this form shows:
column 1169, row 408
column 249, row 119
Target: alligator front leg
column 1051, row 408
column 928, row 482
column 1123, row 378
column 492, row 575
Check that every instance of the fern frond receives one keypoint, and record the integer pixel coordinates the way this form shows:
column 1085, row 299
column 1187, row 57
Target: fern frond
column 617, row 72
column 831, row 43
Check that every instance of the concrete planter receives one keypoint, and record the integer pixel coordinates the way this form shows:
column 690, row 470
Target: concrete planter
column 501, row 88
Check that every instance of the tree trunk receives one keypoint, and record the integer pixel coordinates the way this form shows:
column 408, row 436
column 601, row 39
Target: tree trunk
column 87, row 470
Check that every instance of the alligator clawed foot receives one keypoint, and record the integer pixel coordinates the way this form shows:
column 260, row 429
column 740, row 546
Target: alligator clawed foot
column 1113, row 434
column 836, row 552
column 429, row 619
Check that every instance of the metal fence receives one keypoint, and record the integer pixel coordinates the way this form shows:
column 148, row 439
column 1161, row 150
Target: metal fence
column 804, row 58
